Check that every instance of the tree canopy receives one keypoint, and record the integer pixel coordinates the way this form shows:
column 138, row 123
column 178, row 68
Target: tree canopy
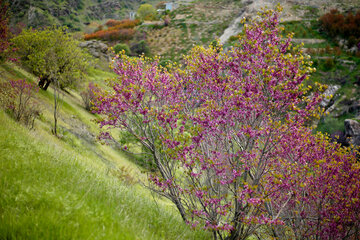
column 53, row 55
column 146, row 12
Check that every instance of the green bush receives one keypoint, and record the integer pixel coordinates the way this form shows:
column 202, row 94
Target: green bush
column 329, row 64
column 140, row 48
column 146, row 12
column 122, row 46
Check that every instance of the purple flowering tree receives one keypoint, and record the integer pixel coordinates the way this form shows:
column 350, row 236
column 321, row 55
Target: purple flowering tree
column 230, row 136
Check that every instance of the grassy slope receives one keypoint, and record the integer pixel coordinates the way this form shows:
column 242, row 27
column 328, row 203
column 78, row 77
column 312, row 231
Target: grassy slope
column 55, row 188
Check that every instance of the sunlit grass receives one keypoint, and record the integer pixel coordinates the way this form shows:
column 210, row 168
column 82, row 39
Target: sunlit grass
column 62, row 187
column 51, row 192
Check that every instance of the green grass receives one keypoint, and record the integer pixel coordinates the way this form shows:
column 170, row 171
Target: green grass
column 61, row 188
column 51, row 192
column 302, row 29
column 331, row 124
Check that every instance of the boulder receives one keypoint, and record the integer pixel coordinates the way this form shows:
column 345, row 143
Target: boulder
column 352, row 128
column 328, row 95
column 97, row 49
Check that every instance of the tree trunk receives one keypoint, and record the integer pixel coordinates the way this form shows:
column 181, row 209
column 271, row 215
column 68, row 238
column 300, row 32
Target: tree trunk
column 55, row 110
column 41, row 83
column 46, row 85
column 234, row 235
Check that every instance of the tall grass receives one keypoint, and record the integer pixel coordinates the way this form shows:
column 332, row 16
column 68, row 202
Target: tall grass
column 51, row 191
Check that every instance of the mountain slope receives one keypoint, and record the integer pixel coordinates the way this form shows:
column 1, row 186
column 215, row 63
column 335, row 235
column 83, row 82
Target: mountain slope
column 73, row 13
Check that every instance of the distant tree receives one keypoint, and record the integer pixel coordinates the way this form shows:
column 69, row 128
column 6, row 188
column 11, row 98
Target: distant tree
column 146, row 12
column 4, row 28
column 53, row 55
column 346, row 26
column 122, row 46
column 140, row 48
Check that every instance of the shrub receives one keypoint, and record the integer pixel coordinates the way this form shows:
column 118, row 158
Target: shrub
column 329, row 64
column 346, row 26
column 4, row 29
column 17, row 98
column 89, row 96
column 122, row 46
column 167, row 20
column 127, row 23
column 113, row 34
column 118, row 30
column 140, row 48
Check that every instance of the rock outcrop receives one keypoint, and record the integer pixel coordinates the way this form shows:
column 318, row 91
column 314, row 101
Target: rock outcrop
column 352, row 131
column 328, row 95
column 97, row 49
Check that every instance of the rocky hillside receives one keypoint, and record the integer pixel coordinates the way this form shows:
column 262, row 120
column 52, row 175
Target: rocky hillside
column 73, row 13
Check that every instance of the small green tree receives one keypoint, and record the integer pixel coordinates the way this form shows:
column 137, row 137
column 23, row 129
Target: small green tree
column 52, row 55
column 122, row 46
column 140, row 48
column 55, row 57
column 146, row 12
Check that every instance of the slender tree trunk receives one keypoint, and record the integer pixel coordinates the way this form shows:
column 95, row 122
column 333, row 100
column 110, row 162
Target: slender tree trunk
column 55, row 110
column 56, row 106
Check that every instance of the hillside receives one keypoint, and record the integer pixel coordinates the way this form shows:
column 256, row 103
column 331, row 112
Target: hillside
column 72, row 13
column 72, row 187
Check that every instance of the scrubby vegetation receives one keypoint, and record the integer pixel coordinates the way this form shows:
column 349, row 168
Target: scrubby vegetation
column 117, row 30
column 346, row 26
column 4, row 29
column 17, row 97
column 122, row 47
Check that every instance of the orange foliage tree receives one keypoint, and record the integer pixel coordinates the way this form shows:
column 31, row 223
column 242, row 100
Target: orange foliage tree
column 117, row 30
column 346, row 26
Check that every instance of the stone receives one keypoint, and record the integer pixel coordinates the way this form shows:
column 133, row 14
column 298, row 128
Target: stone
column 352, row 128
column 97, row 49
column 328, row 94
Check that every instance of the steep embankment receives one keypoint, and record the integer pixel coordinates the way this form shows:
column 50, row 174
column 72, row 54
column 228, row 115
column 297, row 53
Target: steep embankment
column 72, row 187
